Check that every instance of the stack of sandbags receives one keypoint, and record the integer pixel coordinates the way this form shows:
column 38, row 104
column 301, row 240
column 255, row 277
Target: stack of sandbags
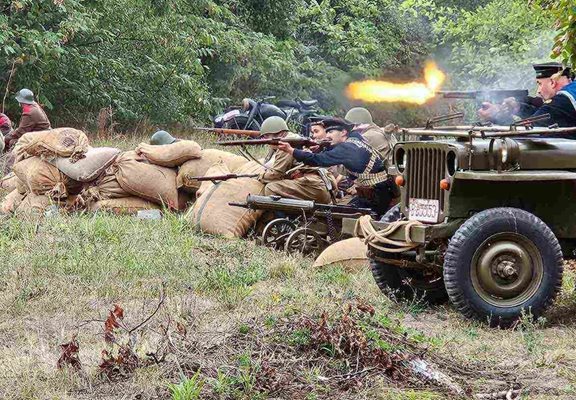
column 143, row 179
column 199, row 167
column 212, row 213
column 352, row 254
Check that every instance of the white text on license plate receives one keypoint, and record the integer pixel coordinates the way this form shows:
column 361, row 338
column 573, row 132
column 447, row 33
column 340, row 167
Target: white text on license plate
column 424, row 210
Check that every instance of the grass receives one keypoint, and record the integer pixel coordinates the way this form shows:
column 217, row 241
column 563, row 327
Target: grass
column 60, row 276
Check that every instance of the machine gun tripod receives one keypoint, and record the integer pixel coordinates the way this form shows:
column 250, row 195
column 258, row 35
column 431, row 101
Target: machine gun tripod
column 306, row 227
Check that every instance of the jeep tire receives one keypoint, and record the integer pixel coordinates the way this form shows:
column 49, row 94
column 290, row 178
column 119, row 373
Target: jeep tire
column 407, row 284
column 500, row 263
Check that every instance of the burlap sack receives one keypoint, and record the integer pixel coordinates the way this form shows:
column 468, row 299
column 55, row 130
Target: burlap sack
column 124, row 206
column 11, row 202
column 212, row 214
column 198, row 167
column 251, row 167
column 148, row 181
column 215, row 170
column 41, row 177
column 350, row 253
column 97, row 159
column 105, row 187
column 35, row 205
column 170, row 155
column 60, row 142
column 9, row 182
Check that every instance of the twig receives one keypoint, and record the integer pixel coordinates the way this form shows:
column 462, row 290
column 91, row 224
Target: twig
column 505, row 394
column 160, row 303
column 8, row 84
column 345, row 376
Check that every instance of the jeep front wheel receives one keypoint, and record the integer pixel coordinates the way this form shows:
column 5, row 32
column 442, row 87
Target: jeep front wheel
column 501, row 262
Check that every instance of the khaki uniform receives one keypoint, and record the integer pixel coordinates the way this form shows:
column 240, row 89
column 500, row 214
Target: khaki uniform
column 379, row 139
column 303, row 183
column 33, row 119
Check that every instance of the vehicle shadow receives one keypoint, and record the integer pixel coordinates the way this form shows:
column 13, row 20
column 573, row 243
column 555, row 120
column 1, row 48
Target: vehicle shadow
column 563, row 312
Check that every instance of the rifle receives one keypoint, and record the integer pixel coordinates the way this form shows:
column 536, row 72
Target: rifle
column 493, row 95
column 220, row 178
column 294, row 142
column 224, row 131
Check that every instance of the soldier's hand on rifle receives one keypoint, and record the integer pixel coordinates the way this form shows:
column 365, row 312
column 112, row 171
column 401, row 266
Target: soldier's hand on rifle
column 510, row 106
column 286, row 148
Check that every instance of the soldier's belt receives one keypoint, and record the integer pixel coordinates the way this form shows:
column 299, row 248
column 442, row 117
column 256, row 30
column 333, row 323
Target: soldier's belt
column 371, row 179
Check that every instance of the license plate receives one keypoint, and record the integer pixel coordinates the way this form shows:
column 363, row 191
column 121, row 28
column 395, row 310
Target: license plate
column 230, row 114
column 424, row 210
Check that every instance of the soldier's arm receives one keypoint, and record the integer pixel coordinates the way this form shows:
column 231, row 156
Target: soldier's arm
column 339, row 155
column 559, row 109
column 26, row 125
column 282, row 163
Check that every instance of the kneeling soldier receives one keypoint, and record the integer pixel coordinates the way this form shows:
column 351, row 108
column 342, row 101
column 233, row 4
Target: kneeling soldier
column 365, row 166
column 285, row 177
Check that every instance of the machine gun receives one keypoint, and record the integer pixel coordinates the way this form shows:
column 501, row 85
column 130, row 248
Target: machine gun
column 220, row 178
column 294, row 142
column 482, row 95
column 224, row 131
column 295, row 206
column 307, row 226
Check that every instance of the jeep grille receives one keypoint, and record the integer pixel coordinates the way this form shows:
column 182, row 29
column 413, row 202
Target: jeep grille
column 425, row 169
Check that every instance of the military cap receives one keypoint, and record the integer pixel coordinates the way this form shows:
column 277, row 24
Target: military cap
column 162, row 137
column 316, row 121
column 25, row 96
column 546, row 70
column 359, row 115
column 340, row 124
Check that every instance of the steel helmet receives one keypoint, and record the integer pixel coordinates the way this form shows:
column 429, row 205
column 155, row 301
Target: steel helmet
column 273, row 124
column 161, row 137
column 25, row 96
column 359, row 115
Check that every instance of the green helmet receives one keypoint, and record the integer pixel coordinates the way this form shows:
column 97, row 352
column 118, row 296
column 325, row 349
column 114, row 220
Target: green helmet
column 25, row 96
column 359, row 115
column 273, row 125
column 161, row 137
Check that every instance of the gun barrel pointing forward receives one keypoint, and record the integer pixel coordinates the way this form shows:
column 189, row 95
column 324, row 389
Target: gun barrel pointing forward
column 216, row 178
column 295, row 142
column 500, row 94
column 226, row 131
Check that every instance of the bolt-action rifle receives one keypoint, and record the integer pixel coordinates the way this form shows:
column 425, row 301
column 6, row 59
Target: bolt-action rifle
column 225, row 131
column 294, row 142
column 220, row 178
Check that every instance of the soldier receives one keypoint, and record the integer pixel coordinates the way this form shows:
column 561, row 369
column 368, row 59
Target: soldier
column 555, row 86
column 162, row 137
column 5, row 124
column 365, row 165
column 285, row 178
column 33, row 118
column 380, row 139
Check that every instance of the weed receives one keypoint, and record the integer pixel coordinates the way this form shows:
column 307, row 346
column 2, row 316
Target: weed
column 188, row 389
column 530, row 330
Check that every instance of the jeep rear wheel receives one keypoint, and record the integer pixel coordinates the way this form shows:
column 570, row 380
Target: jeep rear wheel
column 407, row 284
column 501, row 262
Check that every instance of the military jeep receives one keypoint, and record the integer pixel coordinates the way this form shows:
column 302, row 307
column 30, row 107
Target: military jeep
column 485, row 219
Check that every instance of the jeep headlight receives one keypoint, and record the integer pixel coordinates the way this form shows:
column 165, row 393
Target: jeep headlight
column 400, row 159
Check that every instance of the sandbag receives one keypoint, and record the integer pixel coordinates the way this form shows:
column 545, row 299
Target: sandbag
column 11, row 202
column 33, row 204
column 170, row 155
column 212, row 214
column 215, row 170
column 251, row 167
column 94, row 163
column 148, row 181
column 41, row 177
column 105, row 187
column 126, row 205
column 9, row 182
column 350, row 253
column 198, row 167
column 52, row 143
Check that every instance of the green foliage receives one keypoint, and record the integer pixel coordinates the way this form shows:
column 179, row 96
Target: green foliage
column 564, row 11
column 188, row 389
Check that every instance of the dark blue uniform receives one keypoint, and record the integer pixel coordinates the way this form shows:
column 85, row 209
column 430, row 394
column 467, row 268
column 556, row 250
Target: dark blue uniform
column 357, row 156
column 562, row 108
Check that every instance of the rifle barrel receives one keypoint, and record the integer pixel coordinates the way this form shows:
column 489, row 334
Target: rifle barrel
column 226, row 131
